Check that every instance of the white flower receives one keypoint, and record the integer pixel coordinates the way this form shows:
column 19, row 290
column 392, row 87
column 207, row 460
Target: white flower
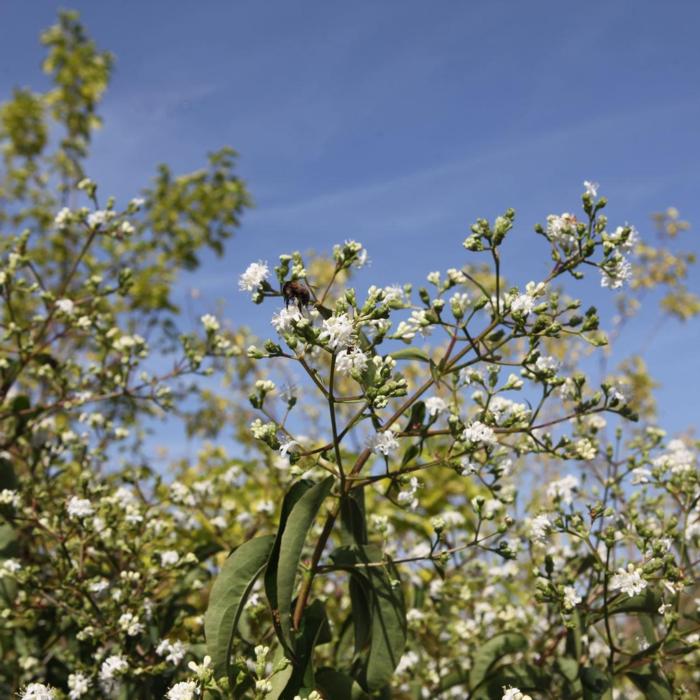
column 478, row 432
column 394, row 294
column 562, row 229
column 435, row 405
column 627, row 243
column 563, row 489
column 338, row 331
column 169, row 558
column 286, row 446
column 628, row 581
column 180, row 493
column 99, row 586
column 615, row 272
column 66, row 306
column 173, row 652
column 10, row 497
column 641, row 476
column 262, row 685
column 99, row 217
column 136, row 203
column 546, row 365
column 256, row 273
column 184, row 690
column 62, row 218
column 538, row 527
column 467, row 375
column 459, row 302
column 113, row 666
column 514, row 694
column 591, row 188
column 571, row 597
column 210, row 323
column 283, row 320
column 79, row 508
column 522, row 304
column 407, row 496
column 201, row 670
column 586, row 449
column 130, row 624
column 78, row 684
column 127, row 342
column 351, row 361
column 9, row 567
column 38, row 691
column 384, row 442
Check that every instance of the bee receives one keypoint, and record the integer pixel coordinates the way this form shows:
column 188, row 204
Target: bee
column 294, row 290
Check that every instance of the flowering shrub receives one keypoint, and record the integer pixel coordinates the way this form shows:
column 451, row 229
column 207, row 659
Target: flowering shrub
column 444, row 505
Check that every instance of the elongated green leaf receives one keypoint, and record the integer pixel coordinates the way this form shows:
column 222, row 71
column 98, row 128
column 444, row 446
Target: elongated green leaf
column 648, row 602
column 568, row 668
column 8, row 480
column 294, row 536
column 595, row 682
column 490, row 652
column 338, row 685
column 281, row 674
column 388, row 620
column 8, row 540
column 652, row 683
column 378, row 610
column 353, row 518
column 410, row 354
column 524, row 676
column 228, row 596
column 291, row 497
column 360, row 596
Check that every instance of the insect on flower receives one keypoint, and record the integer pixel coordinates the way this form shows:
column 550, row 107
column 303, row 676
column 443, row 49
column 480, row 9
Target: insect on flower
column 294, row 290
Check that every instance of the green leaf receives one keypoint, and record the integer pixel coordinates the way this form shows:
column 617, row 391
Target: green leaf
column 568, row 668
column 313, row 630
column 573, row 637
column 353, row 517
column 8, row 480
column 595, row 682
column 417, row 417
column 296, row 530
column 490, row 652
column 360, row 595
column 280, row 678
column 410, row 354
column 412, row 451
column 648, row 602
column 20, row 403
column 652, row 684
column 291, row 498
column 388, row 612
column 324, row 311
column 8, row 540
column 378, row 611
column 338, row 685
column 459, row 677
column 228, row 596
column 524, row 676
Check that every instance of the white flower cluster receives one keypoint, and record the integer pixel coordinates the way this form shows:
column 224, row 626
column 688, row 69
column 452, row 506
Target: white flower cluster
column 384, row 442
column 255, row 274
column 628, row 581
column 563, row 490
column 615, row 272
column 514, row 694
column 479, row 434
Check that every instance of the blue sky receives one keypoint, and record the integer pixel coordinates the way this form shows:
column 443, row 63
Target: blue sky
column 399, row 123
